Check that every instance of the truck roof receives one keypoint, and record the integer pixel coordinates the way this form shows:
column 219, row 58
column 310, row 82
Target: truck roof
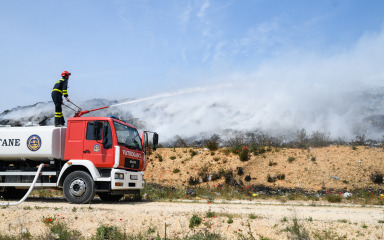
column 101, row 119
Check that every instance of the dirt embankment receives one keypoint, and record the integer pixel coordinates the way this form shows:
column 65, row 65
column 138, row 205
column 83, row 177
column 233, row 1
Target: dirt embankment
column 334, row 167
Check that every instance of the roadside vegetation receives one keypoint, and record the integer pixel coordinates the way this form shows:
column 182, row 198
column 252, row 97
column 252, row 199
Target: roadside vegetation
column 200, row 229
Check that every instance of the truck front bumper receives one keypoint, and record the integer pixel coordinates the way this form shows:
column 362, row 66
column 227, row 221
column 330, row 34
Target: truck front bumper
column 126, row 180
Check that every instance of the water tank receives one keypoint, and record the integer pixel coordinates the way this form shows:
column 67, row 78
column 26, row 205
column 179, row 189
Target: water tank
column 41, row 143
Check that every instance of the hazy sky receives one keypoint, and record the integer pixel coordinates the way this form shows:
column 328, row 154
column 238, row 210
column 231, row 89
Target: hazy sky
column 122, row 49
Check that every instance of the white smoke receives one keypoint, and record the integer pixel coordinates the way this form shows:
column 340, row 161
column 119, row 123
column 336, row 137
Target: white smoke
column 299, row 90
column 333, row 93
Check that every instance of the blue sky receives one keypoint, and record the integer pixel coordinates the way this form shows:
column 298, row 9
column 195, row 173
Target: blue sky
column 121, row 49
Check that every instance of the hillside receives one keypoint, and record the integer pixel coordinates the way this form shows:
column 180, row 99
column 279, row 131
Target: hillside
column 334, row 167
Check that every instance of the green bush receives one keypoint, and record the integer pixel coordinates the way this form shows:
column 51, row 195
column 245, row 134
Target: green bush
column 108, row 232
column 244, row 154
column 195, row 221
column 271, row 163
column 59, row 230
column 158, row 156
column 192, row 152
column 212, row 145
column 291, row 159
column 334, row 198
column 210, row 214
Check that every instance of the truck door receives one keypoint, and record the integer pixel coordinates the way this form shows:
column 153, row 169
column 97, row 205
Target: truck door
column 98, row 144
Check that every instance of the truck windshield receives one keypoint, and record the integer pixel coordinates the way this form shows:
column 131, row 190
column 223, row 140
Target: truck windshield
column 127, row 136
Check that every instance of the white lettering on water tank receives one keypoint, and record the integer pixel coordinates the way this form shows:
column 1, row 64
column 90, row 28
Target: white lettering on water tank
column 131, row 154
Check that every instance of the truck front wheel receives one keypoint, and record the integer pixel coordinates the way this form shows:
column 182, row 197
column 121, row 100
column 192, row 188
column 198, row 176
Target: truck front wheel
column 79, row 187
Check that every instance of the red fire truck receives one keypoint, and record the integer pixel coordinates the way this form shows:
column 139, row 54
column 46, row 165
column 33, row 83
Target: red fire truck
column 92, row 155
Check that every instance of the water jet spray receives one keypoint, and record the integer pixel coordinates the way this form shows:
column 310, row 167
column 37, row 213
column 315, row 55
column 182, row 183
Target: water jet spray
column 79, row 113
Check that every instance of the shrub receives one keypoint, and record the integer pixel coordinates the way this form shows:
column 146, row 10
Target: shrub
column 212, row 145
column 192, row 152
column 215, row 176
column 281, row 176
column 204, row 235
column 271, row 178
column 195, row 221
column 193, row 181
column 158, row 156
column 173, row 157
column 240, row 171
column 271, row 163
column 235, row 144
column 59, row 230
column 204, row 178
column 210, row 214
column 291, row 159
column 334, row 198
column 203, row 170
column 297, row 231
column 108, row 232
column 228, row 175
column 227, row 151
column 377, row 177
column 302, row 139
column 176, row 170
column 247, row 178
column 244, row 154
column 319, row 139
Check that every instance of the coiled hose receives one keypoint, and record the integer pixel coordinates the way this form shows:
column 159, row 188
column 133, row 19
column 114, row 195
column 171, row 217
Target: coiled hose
column 29, row 190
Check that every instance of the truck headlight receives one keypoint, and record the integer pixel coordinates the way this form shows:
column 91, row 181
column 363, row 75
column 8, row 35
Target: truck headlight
column 119, row 175
column 134, row 177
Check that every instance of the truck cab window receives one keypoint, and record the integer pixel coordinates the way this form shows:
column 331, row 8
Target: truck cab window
column 127, row 136
column 93, row 132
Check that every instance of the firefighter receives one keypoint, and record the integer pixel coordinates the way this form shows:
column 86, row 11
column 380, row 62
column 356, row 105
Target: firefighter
column 58, row 91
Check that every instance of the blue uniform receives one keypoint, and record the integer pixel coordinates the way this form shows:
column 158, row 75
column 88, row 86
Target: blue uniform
column 58, row 91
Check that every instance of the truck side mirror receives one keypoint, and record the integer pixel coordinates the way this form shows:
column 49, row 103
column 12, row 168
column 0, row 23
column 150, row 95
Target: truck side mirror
column 106, row 140
column 155, row 141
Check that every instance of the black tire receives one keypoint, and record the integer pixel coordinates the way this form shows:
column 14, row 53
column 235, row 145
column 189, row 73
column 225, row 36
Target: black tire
column 12, row 193
column 79, row 187
column 108, row 197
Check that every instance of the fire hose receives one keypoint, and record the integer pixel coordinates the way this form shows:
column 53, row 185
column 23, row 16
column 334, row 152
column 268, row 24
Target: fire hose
column 29, row 190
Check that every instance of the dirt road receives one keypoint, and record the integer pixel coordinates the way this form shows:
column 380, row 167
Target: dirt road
column 267, row 219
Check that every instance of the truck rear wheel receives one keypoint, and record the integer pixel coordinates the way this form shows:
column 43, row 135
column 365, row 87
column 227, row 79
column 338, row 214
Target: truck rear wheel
column 108, row 197
column 79, row 187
